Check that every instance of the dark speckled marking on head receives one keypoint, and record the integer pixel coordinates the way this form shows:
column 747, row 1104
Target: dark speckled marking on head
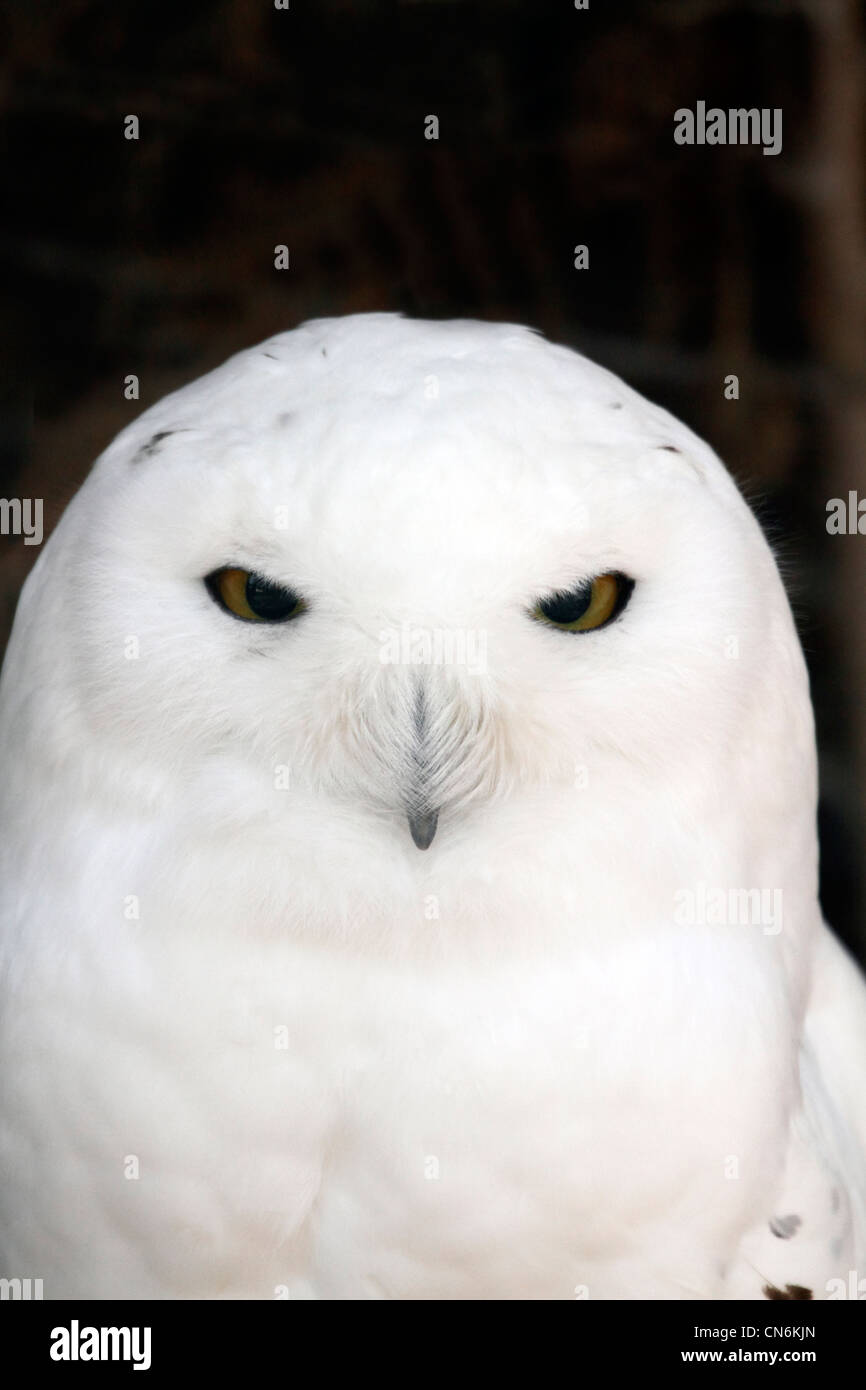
column 786, row 1226
column 285, row 417
column 792, row 1291
column 270, row 355
column 150, row 448
column 616, row 405
column 670, row 449
column 324, row 352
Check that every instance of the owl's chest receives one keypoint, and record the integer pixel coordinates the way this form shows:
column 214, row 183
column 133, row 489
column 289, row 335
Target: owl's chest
column 389, row 1131
column 326, row 1122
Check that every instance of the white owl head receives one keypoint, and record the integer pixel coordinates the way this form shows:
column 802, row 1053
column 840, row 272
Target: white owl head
column 428, row 512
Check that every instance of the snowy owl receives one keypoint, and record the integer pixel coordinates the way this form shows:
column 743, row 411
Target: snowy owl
column 408, row 853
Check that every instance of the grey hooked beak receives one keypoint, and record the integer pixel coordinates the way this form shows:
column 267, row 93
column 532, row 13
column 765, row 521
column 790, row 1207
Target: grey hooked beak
column 422, row 820
column 423, row 827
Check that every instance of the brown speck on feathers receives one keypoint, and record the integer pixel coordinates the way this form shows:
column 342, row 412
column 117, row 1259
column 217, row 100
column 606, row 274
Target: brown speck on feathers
column 793, row 1291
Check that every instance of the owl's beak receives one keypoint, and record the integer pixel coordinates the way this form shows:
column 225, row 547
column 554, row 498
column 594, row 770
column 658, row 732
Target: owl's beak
column 422, row 820
column 422, row 826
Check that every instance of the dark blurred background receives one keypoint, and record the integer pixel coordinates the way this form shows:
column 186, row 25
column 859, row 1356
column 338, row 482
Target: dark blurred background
column 305, row 127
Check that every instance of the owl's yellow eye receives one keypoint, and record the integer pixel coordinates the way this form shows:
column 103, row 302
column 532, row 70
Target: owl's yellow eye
column 592, row 604
column 249, row 596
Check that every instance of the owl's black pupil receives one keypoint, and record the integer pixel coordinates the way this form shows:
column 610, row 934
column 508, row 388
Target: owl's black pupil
column 270, row 601
column 567, row 608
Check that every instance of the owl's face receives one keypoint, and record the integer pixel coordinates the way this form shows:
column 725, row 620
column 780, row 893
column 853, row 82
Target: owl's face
column 409, row 571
